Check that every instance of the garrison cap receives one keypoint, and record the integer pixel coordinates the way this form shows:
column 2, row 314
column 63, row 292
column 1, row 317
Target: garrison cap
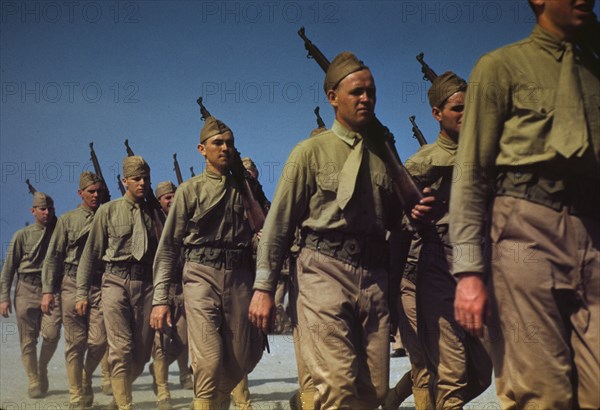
column 249, row 164
column 135, row 166
column 212, row 127
column 164, row 188
column 88, row 178
column 344, row 64
column 42, row 200
column 443, row 87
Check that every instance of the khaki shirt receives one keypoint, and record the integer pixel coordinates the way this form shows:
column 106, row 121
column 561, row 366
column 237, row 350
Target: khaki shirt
column 432, row 167
column 66, row 245
column 110, row 240
column 25, row 255
column 207, row 211
column 508, row 115
column 306, row 197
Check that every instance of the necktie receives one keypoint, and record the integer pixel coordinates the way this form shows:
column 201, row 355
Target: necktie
column 140, row 238
column 569, row 133
column 349, row 174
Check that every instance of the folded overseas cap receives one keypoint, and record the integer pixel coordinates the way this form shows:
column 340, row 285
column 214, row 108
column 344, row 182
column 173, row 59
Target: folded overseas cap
column 212, row 127
column 88, row 178
column 164, row 188
column 42, row 200
column 344, row 64
column 443, row 87
column 135, row 166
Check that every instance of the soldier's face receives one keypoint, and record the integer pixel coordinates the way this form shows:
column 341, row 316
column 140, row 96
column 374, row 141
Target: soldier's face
column 42, row 214
column 450, row 116
column 137, row 187
column 354, row 100
column 165, row 202
column 92, row 195
column 218, row 151
column 565, row 17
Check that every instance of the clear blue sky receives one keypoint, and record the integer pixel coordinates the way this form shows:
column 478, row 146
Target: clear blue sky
column 73, row 72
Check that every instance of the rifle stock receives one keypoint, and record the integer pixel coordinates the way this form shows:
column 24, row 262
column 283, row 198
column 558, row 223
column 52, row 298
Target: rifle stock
column 98, row 172
column 120, row 185
column 417, row 134
column 428, row 73
column 405, row 187
column 320, row 122
column 177, row 170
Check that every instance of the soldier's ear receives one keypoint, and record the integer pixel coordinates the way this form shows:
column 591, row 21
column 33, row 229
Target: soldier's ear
column 332, row 98
column 202, row 149
column 437, row 113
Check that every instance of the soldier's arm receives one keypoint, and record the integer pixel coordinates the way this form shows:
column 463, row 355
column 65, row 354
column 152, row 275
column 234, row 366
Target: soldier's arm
column 11, row 263
column 53, row 265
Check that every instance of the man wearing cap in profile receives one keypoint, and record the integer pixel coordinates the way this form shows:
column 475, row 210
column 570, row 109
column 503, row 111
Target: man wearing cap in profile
column 459, row 366
column 207, row 221
column 337, row 190
column 25, row 257
column 82, row 333
column 174, row 345
column 122, row 239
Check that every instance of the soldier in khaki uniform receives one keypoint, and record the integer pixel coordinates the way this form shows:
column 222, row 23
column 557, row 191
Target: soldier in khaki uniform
column 207, row 220
column 529, row 157
column 25, row 257
column 122, row 238
column 171, row 346
column 60, row 270
column 459, row 366
column 337, row 190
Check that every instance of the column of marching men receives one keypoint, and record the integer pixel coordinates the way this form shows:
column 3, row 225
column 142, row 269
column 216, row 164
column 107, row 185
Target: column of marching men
column 357, row 262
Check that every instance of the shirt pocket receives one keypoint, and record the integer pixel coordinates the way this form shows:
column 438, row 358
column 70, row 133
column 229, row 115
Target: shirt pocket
column 119, row 238
column 533, row 113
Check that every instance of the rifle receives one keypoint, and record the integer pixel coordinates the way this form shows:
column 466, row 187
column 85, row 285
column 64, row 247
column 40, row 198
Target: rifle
column 405, row 187
column 98, row 172
column 255, row 210
column 417, row 132
column 320, row 122
column 128, row 148
column 120, row 184
column 32, row 189
column 192, row 172
column 157, row 214
column 177, row 170
column 428, row 73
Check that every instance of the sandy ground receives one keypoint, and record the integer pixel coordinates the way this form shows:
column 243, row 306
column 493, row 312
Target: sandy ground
column 271, row 384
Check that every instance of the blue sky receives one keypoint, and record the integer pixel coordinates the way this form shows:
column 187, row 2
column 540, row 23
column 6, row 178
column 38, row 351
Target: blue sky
column 75, row 72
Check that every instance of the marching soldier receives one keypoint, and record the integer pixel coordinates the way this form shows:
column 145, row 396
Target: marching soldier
column 25, row 257
column 122, row 239
column 82, row 333
column 207, row 220
column 529, row 157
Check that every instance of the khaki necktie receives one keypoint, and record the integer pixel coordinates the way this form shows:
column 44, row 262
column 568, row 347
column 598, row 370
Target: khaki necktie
column 139, row 239
column 349, row 174
column 569, row 133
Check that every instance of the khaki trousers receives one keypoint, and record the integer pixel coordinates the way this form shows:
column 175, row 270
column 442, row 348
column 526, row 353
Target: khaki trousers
column 31, row 321
column 459, row 365
column 407, row 324
column 344, row 327
column 127, row 305
column 83, row 333
column 175, row 343
column 545, row 298
column 224, row 346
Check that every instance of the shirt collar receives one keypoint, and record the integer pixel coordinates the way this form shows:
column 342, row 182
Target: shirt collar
column 349, row 137
column 446, row 143
column 548, row 42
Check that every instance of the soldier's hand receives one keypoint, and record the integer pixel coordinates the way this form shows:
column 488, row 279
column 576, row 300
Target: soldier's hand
column 47, row 305
column 81, row 307
column 470, row 303
column 160, row 314
column 425, row 210
column 5, row 308
column 261, row 309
